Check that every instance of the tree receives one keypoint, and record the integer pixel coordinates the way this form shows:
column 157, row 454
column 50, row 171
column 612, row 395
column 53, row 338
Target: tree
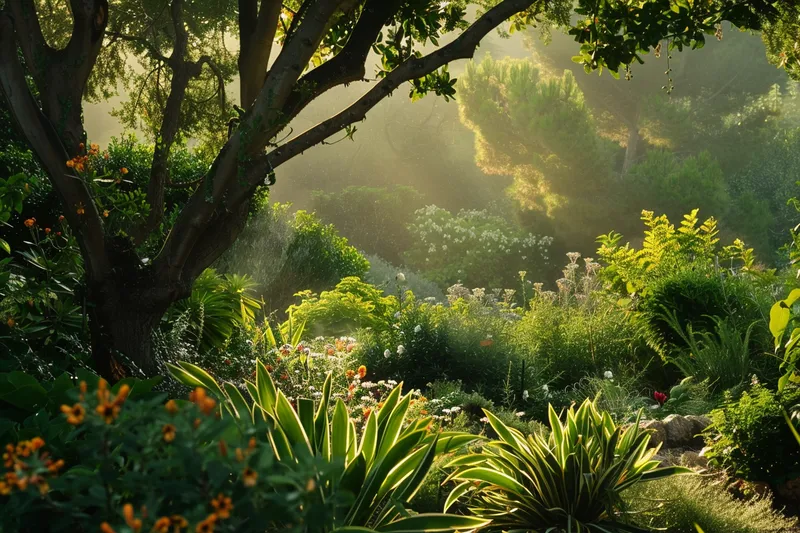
column 323, row 44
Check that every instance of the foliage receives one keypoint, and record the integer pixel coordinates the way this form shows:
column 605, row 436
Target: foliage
column 751, row 438
column 217, row 306
column 384, row 469
column 473, row 247
column 675, row 504
column 351, row 304
column 385, row 276
column 689, row 397
column 296, row 252
column 373, row 219
column 572, row 479
column 721, row 357
column 428, row 342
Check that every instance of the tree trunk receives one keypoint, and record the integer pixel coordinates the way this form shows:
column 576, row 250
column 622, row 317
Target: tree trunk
column 632, row 147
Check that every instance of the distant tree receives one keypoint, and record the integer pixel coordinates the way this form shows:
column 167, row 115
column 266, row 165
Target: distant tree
column 290, row 52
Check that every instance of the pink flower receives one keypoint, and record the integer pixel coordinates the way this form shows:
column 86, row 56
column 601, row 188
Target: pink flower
column 660, row 397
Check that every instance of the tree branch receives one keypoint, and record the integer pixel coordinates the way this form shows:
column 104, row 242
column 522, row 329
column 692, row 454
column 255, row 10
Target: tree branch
column 257, row 28
column 45, row 141
column 151, row 50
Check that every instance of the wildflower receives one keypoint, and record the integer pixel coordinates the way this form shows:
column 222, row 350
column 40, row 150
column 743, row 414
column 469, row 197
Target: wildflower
column 123, row 170
column 105, row 527
column 108, row 411
column 133, row 523
column 168, row 432
column 61, row 218
column 11, row 322
column 522, row 274
column 29, row 223
column 350, row 374
column 207, row 525
column 362, row 371
column 47, row 231
column 485, row 420
column 249, row 477
column 525, row 395
column 75, row 414
column 223, row 448
column 367, row 411
column 171, row 407
column 401, row 349
column 80, row 209
column 387, row 353
column 105, row 213
column 162, row 525
column 400, row 277
column 71, row 164
column 608, row 374
column 222, row 506
column 350, row 347
column 179, row 522
column 417, row 328
column 660, row 397
column 311, row 485
column 520, row 414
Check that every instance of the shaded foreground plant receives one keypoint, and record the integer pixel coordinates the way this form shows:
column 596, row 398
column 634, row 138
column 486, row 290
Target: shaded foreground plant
column 383, row 469
column 573, row 479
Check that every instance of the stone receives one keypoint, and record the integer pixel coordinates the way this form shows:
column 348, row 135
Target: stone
column 657, row 432
column 679, row 430
column 692, row 459
column 700, row 423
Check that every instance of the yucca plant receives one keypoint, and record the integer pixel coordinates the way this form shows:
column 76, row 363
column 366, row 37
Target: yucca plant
column 383, row 469
column 571, row 480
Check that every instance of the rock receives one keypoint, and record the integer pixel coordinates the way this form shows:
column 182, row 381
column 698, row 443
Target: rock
column 691, row 459
column 679, row 430
column 657, row 432
column 699, row 423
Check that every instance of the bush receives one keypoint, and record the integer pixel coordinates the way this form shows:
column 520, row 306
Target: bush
column 294, row 253
column 466, row 342
column 352, row 304
column 374, row 219
column 751, row 437
column 569, row 480
column 474, row 247
column 676, row 504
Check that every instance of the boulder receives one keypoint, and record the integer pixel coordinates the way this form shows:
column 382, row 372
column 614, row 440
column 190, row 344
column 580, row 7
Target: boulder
column 657, row 432
column 679, row 431
column 700, row 423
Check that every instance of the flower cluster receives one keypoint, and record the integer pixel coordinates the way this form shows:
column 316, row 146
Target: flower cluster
column 28, row 466
column 107, row 408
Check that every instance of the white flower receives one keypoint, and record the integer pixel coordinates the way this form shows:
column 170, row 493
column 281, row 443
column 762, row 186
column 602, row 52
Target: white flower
column 400, row 277
column 455, row 409
column 401, row 350
column 525, row 395
column 387, row 353
column 417, row 328
column 485, row 420
column 520, row 414
column 545, row 388
column 608, row 374
column 654, row 407
column 446, row 411
column 367, row 385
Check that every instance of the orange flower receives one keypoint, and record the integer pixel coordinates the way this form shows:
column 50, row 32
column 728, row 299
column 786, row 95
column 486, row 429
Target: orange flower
column 29, row 223
column 487, row 342
column 249, row 477
column 81, row 147
column 55, row 466
column 222, row 506
column 208, row 406
column 251, row 444
column 362, row 371
column 223, row 448
column 179, row 522
column 423, row 412
column 105, row 213
column 123, row 170
column 105, row 527
column 11, row 322
column 61, row 218
column 36, row 443
column 171, row 407
column 75, row 414
column 102, row 390
column 207, row 525
column 9, row 457
column 162, row 525
column 47, row 231
column 108, row 411
column 197, row 395
column 5, row 488
column 71, row 163
column 134, row 523
column 311, row 485
column 367, row 411
column 350, row 374
column 80, row 209
column 122, row 394
column 168, row 432
column 79, row 167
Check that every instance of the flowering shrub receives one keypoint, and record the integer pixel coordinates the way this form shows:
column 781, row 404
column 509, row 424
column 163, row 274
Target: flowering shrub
column 474, row 247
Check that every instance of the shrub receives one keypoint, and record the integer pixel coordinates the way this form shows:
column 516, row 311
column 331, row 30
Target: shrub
column 374, row 219
column 474, row 247
column 295, row 253
column 676, row 504
column 466, row 342
column 750, row 436
column 352, row 304
column 571, row 480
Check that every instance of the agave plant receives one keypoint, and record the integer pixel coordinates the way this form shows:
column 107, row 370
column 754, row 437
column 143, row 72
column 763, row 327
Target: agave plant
column 383, row 469
column 571, row 480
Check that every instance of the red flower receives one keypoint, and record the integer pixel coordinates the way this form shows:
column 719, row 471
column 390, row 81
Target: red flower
column 660, row 397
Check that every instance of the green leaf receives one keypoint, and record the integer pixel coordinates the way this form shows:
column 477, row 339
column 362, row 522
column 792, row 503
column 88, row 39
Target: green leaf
column 433, row 522
column 204, row 378
column 267, row 393
column 5, row 246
